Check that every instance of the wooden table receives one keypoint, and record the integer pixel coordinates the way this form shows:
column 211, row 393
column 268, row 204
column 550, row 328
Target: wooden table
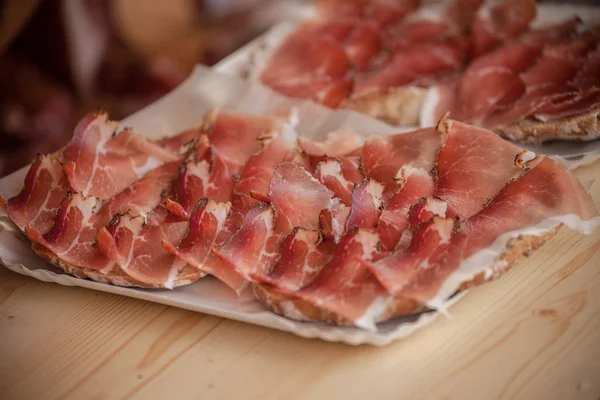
column 534, row 334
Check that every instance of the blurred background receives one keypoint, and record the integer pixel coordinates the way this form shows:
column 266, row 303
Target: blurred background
column 62, row 58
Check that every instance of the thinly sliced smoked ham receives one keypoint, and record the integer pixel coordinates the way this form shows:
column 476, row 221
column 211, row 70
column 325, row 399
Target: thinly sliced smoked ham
column 367, row 202
column 99, row 162
column 297, row 197
column 469, row 157
column 254, row 248
column 383, row 156
column 72, row 237
column 413, row 184
column 207, row 230
column 302, row 256
column 345, row 286
column 255, row 177
column 544, row 197
column 497, row 22
column 43, row 191
column 428, row 247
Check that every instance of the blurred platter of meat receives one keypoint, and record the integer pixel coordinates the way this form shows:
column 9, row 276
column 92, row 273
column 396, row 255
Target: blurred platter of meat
column 527, row 71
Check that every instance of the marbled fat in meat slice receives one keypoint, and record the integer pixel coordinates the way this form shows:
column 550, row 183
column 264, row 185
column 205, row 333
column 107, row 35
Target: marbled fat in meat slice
column 98, row 162
column 472, row 166
column 133, row 242
column 208, row 230
column 73, row 235
column 428, row 247
column 254, row 248
column 382, row 156
column 298, row 198
column 547, row 192
column 413, row 184
column 255, row 177
column 303, row 254
column 333, row 220
column 367, row 203
column 345, row 286
column 38, row 201
column 340, row 176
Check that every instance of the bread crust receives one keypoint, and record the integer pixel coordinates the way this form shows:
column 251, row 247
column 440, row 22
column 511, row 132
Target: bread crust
column 399, row 106
column 298, row 309
column 116, row 276
column 582, row 127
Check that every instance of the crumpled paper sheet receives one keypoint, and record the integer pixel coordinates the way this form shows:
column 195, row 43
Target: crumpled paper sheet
column 184, row 108
column 249, row 61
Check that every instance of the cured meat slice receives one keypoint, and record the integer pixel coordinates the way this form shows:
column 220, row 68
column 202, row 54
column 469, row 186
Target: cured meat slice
column 255, row 177
column 330, row 92
column 493, row 81
column 543, row 197
column 469, row 157
column 206, row 176
column 429, row 245
column 345, row 286
column 100, row 163
column 297, row 197
column 385, row 13
column 208, row 230
column 413, row 185
column 254, row 248
column 367, row 202
column 340, row 176
column 73, row 235
column 336, row 144
column 135, row 246
column 498, row 22
column 415, row 64
column 302, row 256
column 296, row 200
column 38, row 202
column 333, row 220
column 363, row 44
column 383, row 156
column 235, row 137
column 305, row 55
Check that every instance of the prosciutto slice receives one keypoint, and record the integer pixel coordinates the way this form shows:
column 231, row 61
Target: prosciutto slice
column 497, row 22
column 296, row 200
column 134, row 244
column 254, row 248
column 428, row 246
column 340, row 176
column 383, row 156
column 468, row 157
column 99, row 162
column 39, row 200
column 367, row 202
column 302, row 256
column 208, row 230
column 549, row 194
column 413, row 184
column 345, row 286
column 255, row 177
column 72, row 237
column 297, row 197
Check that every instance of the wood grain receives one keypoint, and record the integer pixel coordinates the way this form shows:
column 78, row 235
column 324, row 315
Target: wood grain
column 533, row 334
